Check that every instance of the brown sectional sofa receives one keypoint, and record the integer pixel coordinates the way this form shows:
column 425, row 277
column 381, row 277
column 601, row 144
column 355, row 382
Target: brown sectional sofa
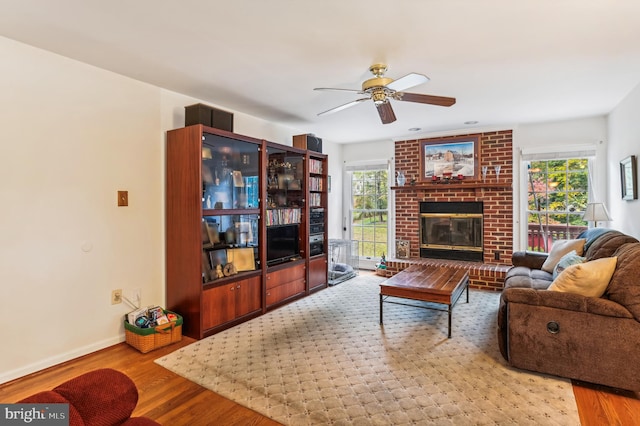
column 590, row 339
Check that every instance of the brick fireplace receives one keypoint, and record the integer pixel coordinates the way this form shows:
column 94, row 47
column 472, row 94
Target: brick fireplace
column 495, row 148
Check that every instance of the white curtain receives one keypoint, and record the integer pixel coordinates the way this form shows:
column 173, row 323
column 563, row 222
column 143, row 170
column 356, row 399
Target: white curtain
column 593, row 197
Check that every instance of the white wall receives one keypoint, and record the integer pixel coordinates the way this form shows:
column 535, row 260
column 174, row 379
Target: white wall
column 368, row 151
column 624, row 138
column 72, row 136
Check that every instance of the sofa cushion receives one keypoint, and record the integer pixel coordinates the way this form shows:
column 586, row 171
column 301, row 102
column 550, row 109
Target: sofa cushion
column 559, row 249
column 607, row 244
column 523, row 277
column 624, row 287
column 530, row 259
column 567, row 260
column 589, row 279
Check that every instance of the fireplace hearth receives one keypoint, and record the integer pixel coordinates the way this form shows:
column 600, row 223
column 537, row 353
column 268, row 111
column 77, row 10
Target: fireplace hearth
column 451, row 230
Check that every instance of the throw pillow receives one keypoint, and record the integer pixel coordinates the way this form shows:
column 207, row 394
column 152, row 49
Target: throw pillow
column 588, row 279
column 559, row 249
column 568, row 259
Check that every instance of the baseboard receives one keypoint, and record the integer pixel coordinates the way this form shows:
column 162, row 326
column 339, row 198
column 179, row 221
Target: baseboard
column 58, row 359
column 367, row 264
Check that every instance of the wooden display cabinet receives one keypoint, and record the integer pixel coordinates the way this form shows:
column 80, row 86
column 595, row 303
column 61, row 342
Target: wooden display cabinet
column 285, row 282
column 318, row 272
column 285, row 219
column 213, row 224
column 230, row 302
column 238, row 225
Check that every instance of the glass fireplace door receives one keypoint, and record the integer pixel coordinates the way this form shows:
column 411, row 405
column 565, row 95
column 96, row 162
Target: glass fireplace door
column 451, row 231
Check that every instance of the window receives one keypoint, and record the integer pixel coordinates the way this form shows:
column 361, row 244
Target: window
column 557, row 196
column 369, row 211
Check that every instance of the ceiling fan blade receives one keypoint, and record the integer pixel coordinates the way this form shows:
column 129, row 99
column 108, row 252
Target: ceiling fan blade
column 345, row 106
column 340, row 90
column 425, row 99
column 408, row 81
column 386, row 112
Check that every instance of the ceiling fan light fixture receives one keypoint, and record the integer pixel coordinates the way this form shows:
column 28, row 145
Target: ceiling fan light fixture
column 379, row 96
column 381, row 90
column 376, row 83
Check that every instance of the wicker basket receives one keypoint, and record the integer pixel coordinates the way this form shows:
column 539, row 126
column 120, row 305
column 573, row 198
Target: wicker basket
column 148, row 339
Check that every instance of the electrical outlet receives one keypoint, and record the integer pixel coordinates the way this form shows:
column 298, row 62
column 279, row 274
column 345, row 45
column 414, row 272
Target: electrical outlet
column 136, row 293
column 116, row 296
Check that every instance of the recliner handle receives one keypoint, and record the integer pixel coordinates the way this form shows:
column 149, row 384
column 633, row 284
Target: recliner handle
column 553, row 327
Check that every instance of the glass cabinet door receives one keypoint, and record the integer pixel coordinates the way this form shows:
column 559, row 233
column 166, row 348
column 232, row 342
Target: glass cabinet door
column 229, row 245
column 229, row 173
column 285, row 187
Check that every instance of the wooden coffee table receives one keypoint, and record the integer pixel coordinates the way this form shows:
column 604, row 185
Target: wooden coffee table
column 435, row 284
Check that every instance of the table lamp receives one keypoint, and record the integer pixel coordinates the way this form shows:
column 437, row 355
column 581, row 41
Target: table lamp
column 596, row 212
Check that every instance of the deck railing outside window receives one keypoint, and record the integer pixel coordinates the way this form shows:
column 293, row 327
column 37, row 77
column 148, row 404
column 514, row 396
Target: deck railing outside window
column 536, row 235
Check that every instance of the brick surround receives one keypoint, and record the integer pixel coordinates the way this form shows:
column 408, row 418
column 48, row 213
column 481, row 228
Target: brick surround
column 495, row 149
column 484, row 276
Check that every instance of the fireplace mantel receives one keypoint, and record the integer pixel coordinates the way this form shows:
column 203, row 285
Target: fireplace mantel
column 461, row 185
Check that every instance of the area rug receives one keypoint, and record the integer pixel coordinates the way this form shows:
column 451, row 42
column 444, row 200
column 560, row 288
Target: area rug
column 325, row 359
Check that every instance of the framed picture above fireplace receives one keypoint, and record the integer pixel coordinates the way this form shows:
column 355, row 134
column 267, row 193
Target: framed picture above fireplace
column 449, row 158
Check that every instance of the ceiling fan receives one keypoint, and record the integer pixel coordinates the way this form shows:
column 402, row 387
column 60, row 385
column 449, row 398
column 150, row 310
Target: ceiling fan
column 381, row 89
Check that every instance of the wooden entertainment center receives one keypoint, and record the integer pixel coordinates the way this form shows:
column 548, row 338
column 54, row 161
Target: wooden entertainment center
column 245, row 226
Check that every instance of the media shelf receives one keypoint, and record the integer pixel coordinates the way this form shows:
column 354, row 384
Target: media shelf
column 285, row 224
column 318, row 201
column 238, row 228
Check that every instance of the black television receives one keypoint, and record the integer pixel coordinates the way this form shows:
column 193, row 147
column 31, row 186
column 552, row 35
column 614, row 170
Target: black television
column 282, row 243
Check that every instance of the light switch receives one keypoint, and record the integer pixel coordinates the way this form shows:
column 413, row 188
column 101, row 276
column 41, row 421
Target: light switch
column 123, row 198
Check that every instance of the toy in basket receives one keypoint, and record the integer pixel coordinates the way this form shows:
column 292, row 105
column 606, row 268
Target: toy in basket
column 152, row 328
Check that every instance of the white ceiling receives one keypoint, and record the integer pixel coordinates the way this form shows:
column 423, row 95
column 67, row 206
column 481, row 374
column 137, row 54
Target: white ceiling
column 506, row 61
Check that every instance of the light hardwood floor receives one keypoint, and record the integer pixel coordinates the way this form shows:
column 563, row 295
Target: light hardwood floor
column 163, row 396
column 174, row 401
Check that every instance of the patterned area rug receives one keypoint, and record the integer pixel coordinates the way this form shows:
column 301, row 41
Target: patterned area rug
column 325, row 359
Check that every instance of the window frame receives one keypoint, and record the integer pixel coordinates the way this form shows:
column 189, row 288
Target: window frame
column 350, row 209
column 593, row 152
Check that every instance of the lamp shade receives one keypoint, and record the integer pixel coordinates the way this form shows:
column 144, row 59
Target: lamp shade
column 596, row 212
